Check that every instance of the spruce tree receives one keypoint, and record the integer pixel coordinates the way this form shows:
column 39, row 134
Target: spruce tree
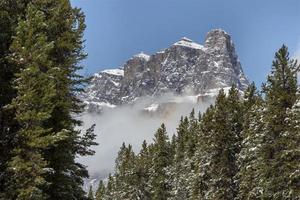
column 91, row 194
column 223, row 147
column 10, row 12
column 250, row 146
column 280, row 95
column 48, row 48
column 159, row 183
column 100, row 193
column 291, row 154
column 65, row 26
column 110, row 188
column 142, row 170
column 178, row 170
column 126, row 180
column 202, row 158
column 33, row 106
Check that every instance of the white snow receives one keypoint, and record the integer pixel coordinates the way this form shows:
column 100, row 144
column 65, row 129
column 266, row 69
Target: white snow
column 152, row 107
column 101, row 104
column 143, row 56
column 116, row 72
column 97, row 75
column 188, row 43
column 161, row 51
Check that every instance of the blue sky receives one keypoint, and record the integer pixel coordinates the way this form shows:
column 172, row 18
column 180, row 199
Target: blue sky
column 118, row 29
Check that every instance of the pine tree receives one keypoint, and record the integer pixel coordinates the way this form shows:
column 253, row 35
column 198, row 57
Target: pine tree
column 202, row 158
column 65, row 26
column 235, row 120
column 182, row 169
column 160, row 188
column 91, row 194
column 100, row 193
column 48, row 47
column 142, row 170
column 178, row 170
column 250, row 146
column 125, row 175
column 280, row 94
column 33, row 105
column 10, row 12
column 110, row 188
column 222, row 149
column 291, row 154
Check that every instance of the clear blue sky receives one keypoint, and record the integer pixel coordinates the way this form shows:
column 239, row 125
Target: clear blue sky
column 118, row 29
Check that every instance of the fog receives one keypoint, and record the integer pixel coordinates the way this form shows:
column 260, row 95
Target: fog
column 132, row 124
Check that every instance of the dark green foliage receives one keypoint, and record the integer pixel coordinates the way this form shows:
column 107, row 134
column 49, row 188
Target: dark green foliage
column 223, row 146
column 100, row 193
column 291, row 154
column 39, row 81
column 10, row 12
column 161, row 159
column 33, row 106
column 280, row 95
column 250, row 146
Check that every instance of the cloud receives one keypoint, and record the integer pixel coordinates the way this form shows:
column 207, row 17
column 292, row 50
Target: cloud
column 131, row 124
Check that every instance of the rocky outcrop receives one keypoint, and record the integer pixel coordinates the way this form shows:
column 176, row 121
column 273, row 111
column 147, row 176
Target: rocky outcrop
column 185, row 68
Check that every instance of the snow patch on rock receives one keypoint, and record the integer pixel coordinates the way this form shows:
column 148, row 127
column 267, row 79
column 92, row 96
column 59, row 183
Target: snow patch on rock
column 116, row 72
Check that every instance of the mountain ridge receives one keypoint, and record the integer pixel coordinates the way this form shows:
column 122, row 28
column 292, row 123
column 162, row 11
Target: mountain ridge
column 184, row 68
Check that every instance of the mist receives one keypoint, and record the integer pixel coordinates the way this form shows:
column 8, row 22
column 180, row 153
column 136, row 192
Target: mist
column 132, row 124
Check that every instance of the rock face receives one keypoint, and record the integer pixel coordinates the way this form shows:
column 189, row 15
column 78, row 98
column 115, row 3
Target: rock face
column 185, row 68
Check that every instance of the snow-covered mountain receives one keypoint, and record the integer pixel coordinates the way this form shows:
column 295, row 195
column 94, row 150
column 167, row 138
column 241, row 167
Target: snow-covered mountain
column 186, row 68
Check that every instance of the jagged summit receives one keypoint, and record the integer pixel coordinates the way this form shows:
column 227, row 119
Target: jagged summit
column 184, row 68
column 186, row 42
column 142, row 55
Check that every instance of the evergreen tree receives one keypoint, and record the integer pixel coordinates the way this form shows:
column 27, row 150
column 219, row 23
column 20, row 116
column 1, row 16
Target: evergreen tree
column 184, row 166
column 65, row 26
column 291, row 154
column 110, row 188
column 159, row 177
column 48, row 48
column 222, row 149
column 250, row 146
column 10, row 12
column 178, row 170
column 33, row 106
column 91, row 194
column 142, row 170
column 235, row 120
column 280, row 94
column 100, row 193
column 202, row 158
column 125, row 175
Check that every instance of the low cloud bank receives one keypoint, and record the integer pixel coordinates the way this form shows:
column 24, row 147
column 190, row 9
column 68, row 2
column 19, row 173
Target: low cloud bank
column 133, row 124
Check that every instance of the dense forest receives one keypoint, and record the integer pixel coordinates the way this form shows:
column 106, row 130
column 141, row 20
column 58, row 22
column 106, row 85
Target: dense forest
column 245, row 146
column 41, row 47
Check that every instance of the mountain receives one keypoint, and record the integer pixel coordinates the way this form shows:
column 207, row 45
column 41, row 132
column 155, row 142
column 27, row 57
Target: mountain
column 186, row 68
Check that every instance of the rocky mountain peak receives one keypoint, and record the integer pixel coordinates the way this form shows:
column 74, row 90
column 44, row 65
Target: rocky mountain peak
column 184, row 68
